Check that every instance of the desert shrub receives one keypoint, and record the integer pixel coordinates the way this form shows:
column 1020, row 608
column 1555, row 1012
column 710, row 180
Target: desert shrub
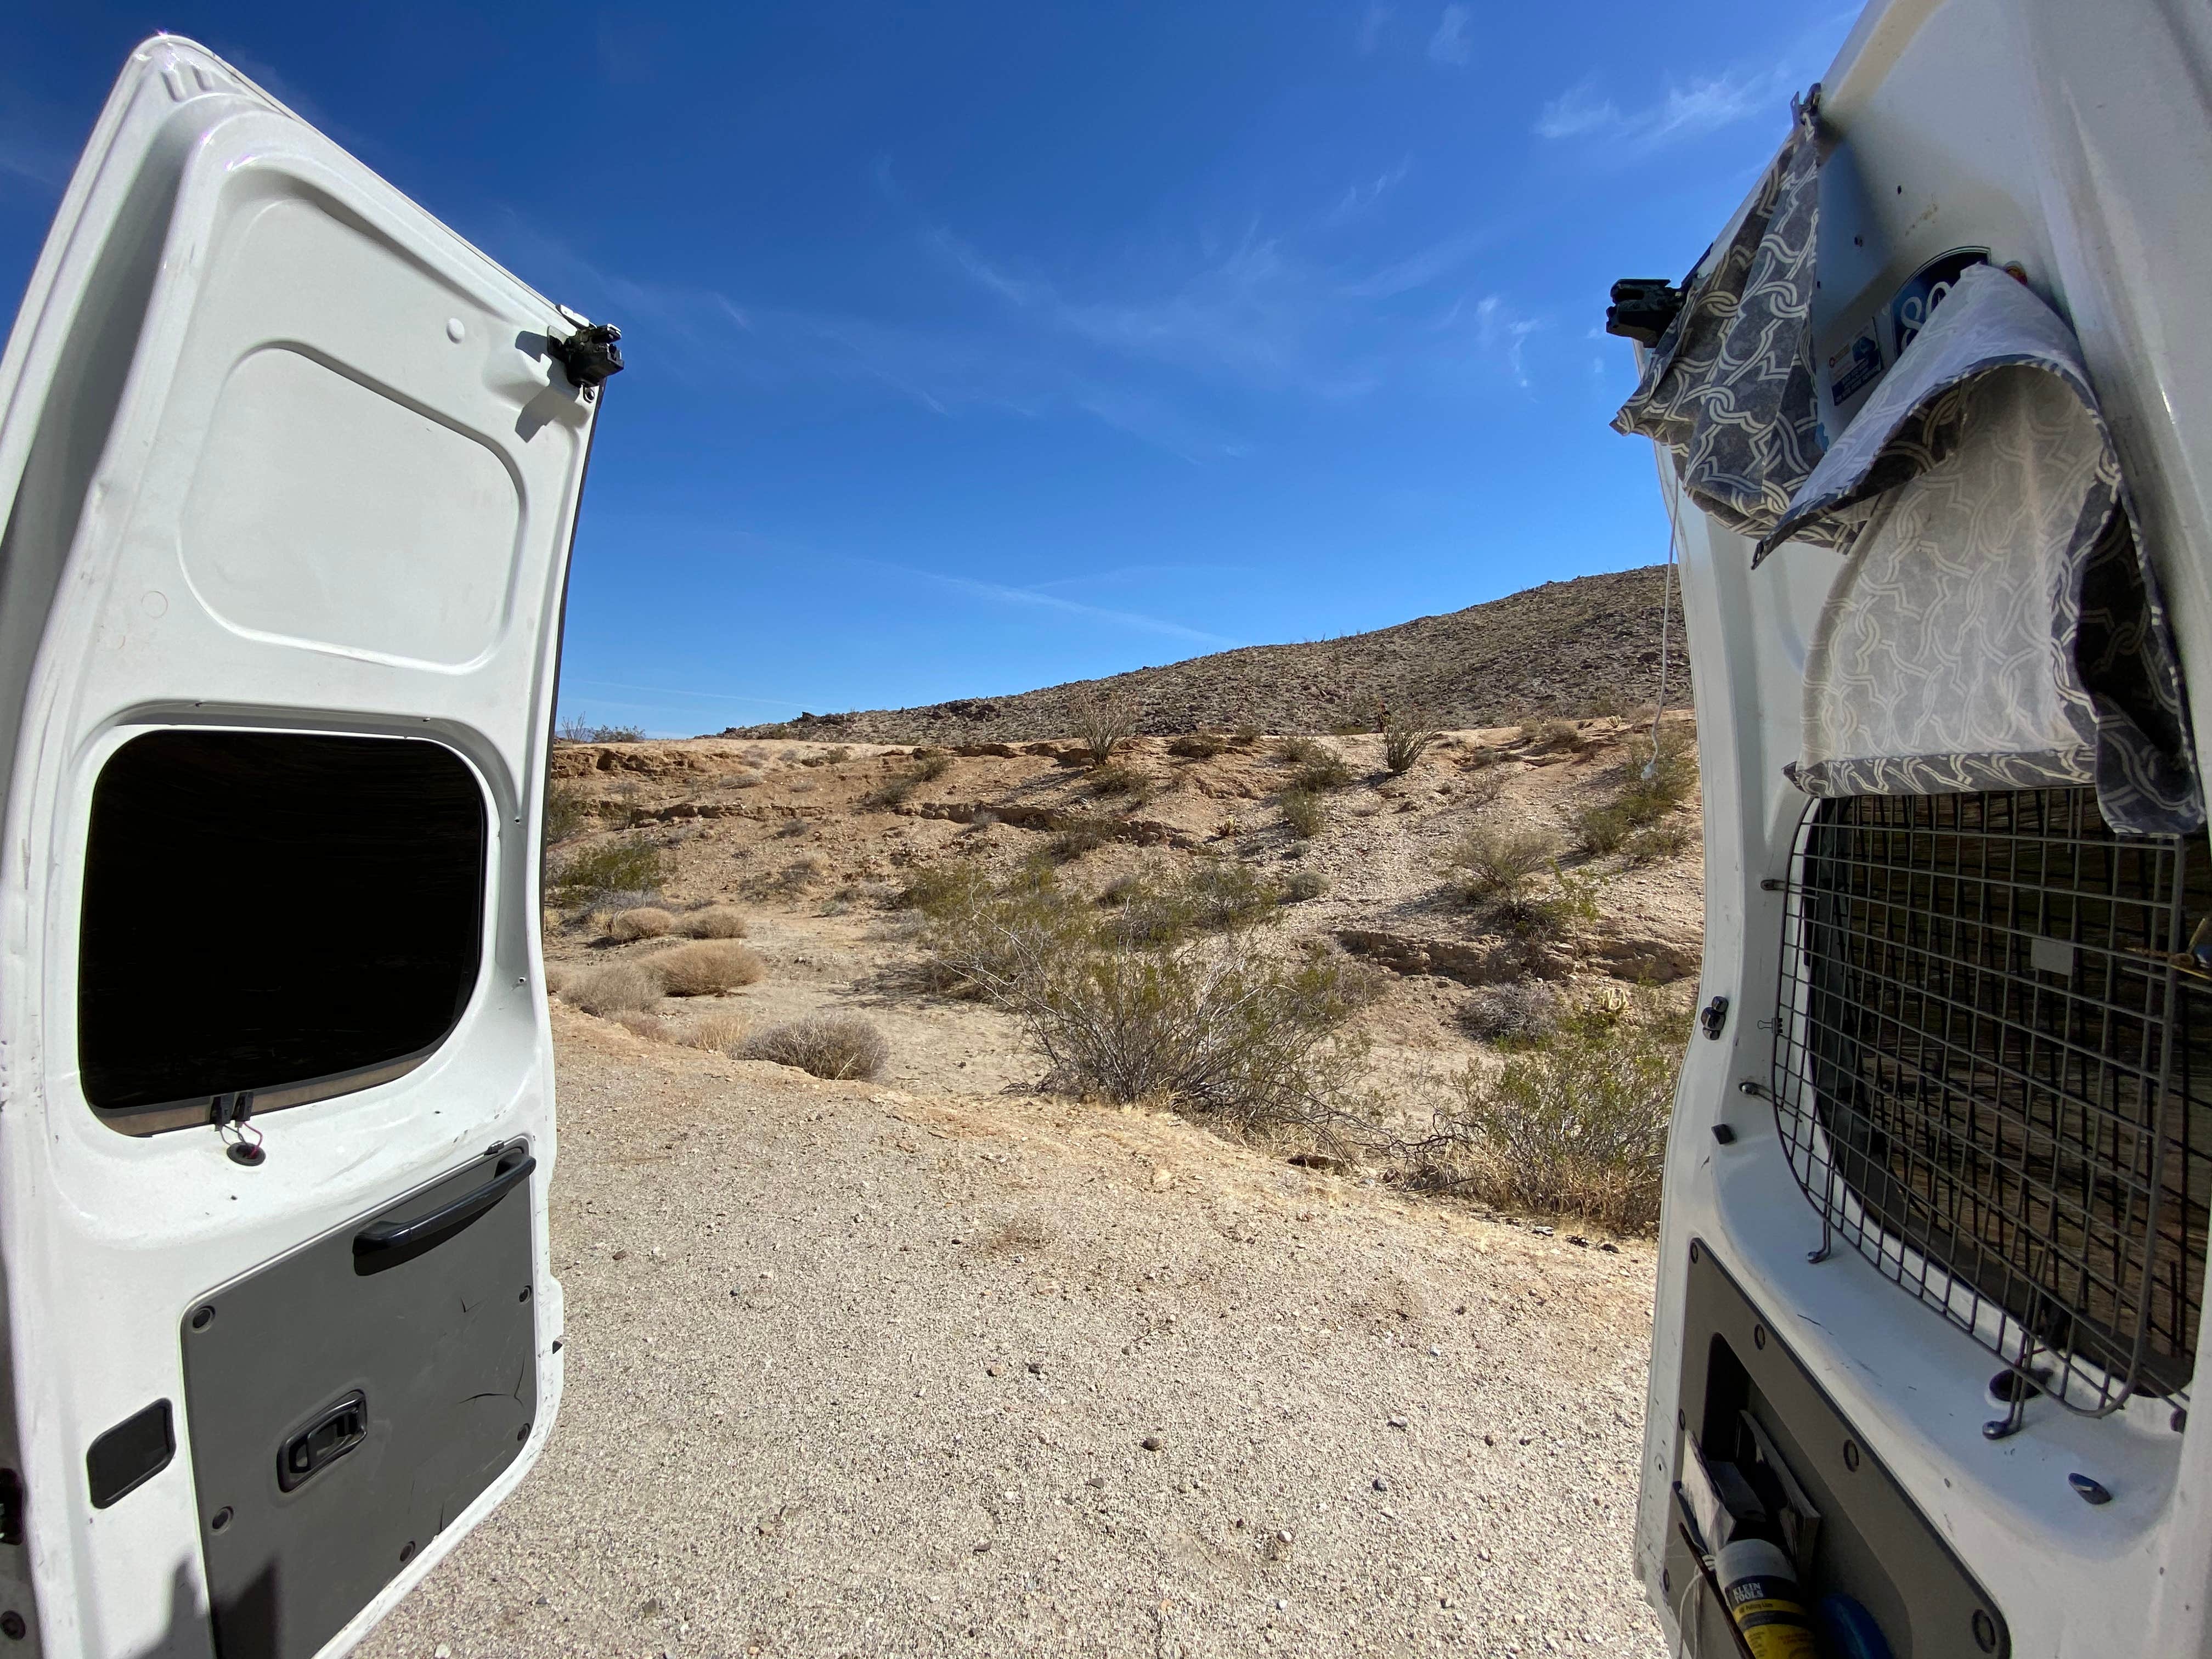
column 640, row 1023
column 1326, row 771
column 577, row 729
column 1303, row 813
column 792, row 828
column 1554, row 734
column 616, row 867
column 715, row 921
column 1296, row 751
column 642, row 922
column 1575, row 1123
column 721, row 1029
column 613, row 988
column 707, row 968
column 557, row 978
column 1659, row 778
column 836, row 1046
column 828, row 757
column 1158, row 909
column 1482, row 756
column 1488, row 863
column 1569, row 901
column 1084, row 836
column 742, row 781
column 929, row 765
column 1119, row 779
column 1305, row 884
column 1407, row 736
column 1601, row 828
column 1248, row 733
column 1521, row 1011
column 1660, row 840
column 940, row 890
column 1198, row 746
column 1103, row 720
column 567, row 810
column 794, row 878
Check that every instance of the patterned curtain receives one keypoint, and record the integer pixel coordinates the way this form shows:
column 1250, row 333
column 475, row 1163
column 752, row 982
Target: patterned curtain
column 1728, row 388
column 1996, row 625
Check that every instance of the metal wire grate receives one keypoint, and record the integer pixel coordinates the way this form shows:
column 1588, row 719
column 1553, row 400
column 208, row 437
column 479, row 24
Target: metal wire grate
column 1993, row 1073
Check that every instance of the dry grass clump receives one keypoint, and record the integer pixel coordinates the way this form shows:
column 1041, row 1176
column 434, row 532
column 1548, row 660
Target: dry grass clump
column 1555, row 734
column 638, row 1023
column 598, row 873
column 615, row 988
column 557, row 978
column 1303, row 885
column 1084, row 836
column 839, row 1047
column 1319, row 767
column 715, row 921
column 640, row 922
column 1304, row 815
column 719, row 1029
column 1521, row 1011
column 707, row 968
column 1119, row 779
column 1574, row 1123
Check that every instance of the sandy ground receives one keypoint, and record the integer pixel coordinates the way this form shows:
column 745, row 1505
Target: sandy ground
column 859, row 1369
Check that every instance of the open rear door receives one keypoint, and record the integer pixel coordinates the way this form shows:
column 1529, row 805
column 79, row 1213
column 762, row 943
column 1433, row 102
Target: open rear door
column 288, row 472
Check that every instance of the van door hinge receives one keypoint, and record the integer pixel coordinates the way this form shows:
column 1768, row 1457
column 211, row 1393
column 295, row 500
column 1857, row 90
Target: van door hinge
column 1714, row 1019
column 588, row 352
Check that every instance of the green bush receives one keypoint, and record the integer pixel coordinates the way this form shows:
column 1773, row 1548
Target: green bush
column 1300, row 751
column 600, row 872
column 1303, row 813
column 1497, row 864
column 1326, row 771
column 1120, row 779
column 1303, row 885
column 1602, row 828
column 1656, row 841
column 1084, row 836
column 1574, row 1123
column 568, row 811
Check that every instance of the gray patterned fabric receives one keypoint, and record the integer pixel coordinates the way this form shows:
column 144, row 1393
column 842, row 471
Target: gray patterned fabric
column 1728, row 388
column 1997, row 625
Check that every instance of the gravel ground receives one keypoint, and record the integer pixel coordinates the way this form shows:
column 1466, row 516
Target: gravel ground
column 855, row 1371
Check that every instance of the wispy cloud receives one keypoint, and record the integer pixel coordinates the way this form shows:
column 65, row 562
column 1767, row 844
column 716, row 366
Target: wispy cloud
column 1501, row 332
column 1000, row 594
column 1449, row 44
column 1703, row 106
column 1370, row 28
column 1360, row 196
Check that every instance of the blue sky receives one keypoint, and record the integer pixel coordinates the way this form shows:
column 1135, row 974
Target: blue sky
column 980, row 347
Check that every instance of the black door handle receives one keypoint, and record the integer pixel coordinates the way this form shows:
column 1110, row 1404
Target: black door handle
column 385, row 1244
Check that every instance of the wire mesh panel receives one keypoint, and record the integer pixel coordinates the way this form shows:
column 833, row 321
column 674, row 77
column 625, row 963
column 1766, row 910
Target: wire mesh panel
column 1993, row 1072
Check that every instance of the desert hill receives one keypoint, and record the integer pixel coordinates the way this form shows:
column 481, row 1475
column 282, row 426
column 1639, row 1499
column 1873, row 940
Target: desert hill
column 1581, row 647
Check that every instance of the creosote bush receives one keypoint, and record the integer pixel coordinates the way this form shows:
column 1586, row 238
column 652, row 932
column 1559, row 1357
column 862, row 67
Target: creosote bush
column 1492, row 863
column 1303, row 885
column 641, row 921
column 568, row 811
column 839, row 1047
column 706, row 967
column 616, row 867
column 1084, row 836
column 1574, row 1123
column 1554, row 734
column 1304, row 815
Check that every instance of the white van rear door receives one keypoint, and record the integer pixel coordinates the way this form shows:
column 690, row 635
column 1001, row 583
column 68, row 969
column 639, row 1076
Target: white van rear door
column 287, row 473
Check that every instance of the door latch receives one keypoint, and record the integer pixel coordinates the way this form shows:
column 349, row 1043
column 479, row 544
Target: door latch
column 336, row 1430
column 590, row 355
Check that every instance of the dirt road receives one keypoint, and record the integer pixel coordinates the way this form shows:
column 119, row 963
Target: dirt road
column 852, row 1370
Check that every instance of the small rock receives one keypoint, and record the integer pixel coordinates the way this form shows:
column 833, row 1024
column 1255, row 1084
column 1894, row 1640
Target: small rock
column 1150, row 1442
column 620, row 1255
column 1541, row 1232
column 982, row 1547
column 1281, row 1605
column 1098, row 1480
column 1380, row 1484
column 1610, row 1247
column 1397, row 1422
column 1489, row 1439
column 442, row 1651
column 994, row 1369
column 1436, row 1354
column 1036, row 1368
column 1576, row 1238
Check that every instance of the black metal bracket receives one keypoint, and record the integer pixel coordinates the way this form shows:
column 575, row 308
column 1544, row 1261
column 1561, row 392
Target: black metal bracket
column 1642, row 308
column 589, row 353
column 1713, row 1020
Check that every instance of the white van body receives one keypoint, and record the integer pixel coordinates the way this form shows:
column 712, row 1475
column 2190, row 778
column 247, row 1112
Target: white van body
column 2074, row 141
column 288, row 474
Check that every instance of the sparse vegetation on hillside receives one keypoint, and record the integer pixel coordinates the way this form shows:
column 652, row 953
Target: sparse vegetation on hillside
column 1103, row 717
column 1406, row 737
column 577, row 729
column 603, row 872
